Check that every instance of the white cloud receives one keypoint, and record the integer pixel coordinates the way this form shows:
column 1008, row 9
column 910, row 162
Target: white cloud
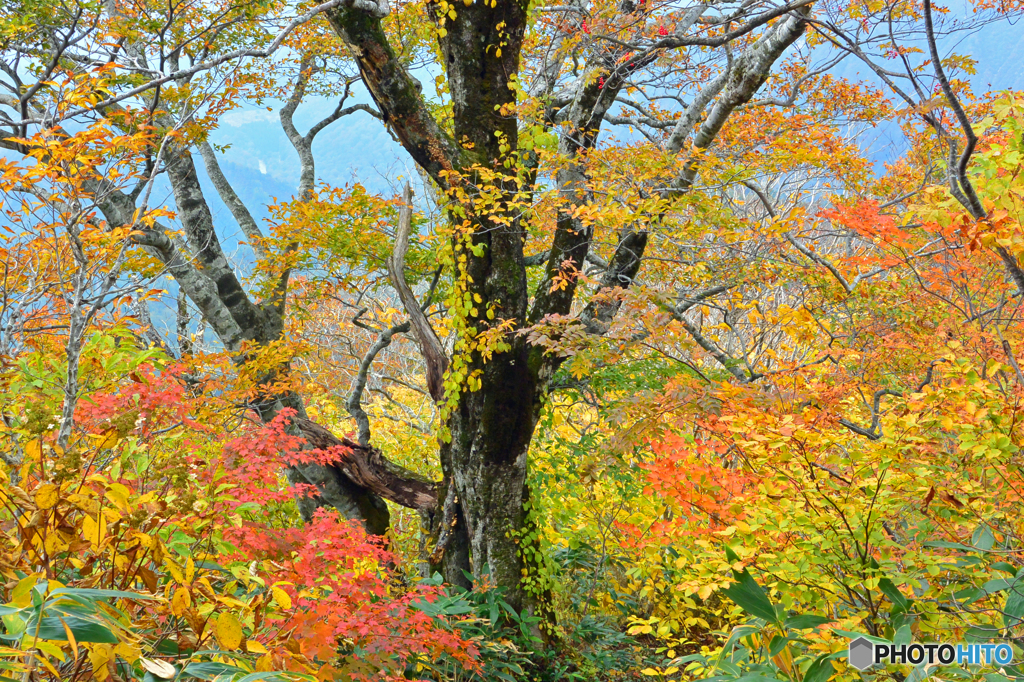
column 263, row 167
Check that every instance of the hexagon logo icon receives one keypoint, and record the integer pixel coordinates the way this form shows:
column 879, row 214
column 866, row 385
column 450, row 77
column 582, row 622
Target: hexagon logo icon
column 862, row 654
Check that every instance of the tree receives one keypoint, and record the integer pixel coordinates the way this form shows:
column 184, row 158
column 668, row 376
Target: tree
column 489, row 175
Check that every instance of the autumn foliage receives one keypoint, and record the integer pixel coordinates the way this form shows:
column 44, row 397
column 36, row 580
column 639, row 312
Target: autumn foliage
column 662, row 370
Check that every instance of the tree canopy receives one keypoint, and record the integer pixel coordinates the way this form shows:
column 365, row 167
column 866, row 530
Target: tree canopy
column 683, row 346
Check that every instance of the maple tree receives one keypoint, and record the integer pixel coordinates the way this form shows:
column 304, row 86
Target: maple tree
column 658, row 372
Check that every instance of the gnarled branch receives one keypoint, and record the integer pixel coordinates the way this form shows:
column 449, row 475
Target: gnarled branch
column 368, row 468
column 430, row 346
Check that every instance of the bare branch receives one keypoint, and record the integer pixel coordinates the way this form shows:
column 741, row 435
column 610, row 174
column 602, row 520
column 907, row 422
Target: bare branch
column 230, row 198
column 353, row 404
column 430, row 346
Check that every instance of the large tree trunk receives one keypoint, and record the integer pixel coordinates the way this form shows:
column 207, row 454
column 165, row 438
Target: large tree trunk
column 486, row 461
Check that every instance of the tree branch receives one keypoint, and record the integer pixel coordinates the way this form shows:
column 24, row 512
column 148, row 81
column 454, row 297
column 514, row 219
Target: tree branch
column 368, row 468
column 241, row 53
column 353, row 404
column 749, row 72
column 230, row 198
column 430, row 346
column 395, row 92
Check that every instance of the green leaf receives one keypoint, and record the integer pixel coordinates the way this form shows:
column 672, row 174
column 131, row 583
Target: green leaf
column 777, row 644
column 751, row 597
column 84, row 630
column 890, row 590
column 87, row 593
column 983, row 537
column 738, row 633
column 919, row 673
column 996, row 677
column 855, row 635
column 806, row 621
column 998, row 585
column 820, row 670
column 209, row 670
column 941, row 544
column 980, row 634
column 1013, row 611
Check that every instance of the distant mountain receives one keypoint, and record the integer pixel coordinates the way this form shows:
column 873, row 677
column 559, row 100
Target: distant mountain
column 356, row 148
column 997, row 47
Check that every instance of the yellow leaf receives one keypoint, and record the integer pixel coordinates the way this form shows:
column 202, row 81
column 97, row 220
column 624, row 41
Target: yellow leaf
column 71, row 637
column 281, row 597
column 21, row 594
column 118, row 496
column 54, row 543
column 180, row 601
column 265, row 664
column 99, row 655
column 190, row 571
column 327, row 673
column 175, row 571
column 47, row 496
column 145, row 540
column 94, row 530
column 254, row 647
column 128, row 651
column 46, row 647
column 33, row 450
column 110, row 440
column 228, row 632
column 46, row 662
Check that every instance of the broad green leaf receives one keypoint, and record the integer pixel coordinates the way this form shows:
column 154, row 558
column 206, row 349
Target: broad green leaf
column 806, row 621
column 983, row 538
column 820, row 670
column 751, row 597
column 84, row 630
column 89, row 593
column 1013, row 609
column 209, row 670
